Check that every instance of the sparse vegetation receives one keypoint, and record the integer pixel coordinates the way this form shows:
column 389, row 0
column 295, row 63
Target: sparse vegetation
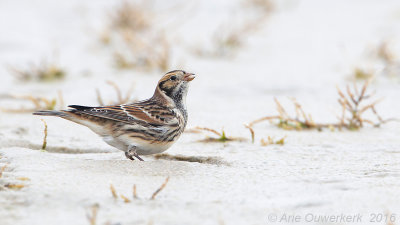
column 142, row 53
column 43, row 72
column 361, row 74
column 287, row 122
column 231, row 36
column 40, row 103
column 130, row 16
column 12, row 185
column 225, row 41
column 135, row 196
column 272, row 141
column 382, row 55
column 121, row 99
column 391, row 62
column 353, row 107
column 221, row 136
column 135, row 41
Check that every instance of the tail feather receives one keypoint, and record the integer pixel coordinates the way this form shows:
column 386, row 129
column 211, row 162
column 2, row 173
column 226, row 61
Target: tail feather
column 80, row 107
column 50, row 113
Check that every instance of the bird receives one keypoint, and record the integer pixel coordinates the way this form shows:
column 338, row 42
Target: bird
column 139, row 128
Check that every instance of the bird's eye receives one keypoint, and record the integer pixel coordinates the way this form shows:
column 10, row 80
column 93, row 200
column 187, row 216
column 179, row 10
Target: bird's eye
column 172, row 78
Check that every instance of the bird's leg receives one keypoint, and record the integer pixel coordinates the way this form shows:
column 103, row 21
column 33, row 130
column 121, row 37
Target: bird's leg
column 132, row 153
column 129, row 156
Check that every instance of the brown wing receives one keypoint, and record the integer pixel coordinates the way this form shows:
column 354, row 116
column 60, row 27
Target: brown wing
column 147, row 112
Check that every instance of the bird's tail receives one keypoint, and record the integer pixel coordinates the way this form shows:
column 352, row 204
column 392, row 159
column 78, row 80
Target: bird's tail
column 51, row 113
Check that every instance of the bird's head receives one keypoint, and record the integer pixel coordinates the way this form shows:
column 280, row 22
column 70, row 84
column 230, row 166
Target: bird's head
column 174, row 85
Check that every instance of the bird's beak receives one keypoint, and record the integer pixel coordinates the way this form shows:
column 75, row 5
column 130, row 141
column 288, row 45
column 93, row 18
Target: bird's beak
column 189, row 77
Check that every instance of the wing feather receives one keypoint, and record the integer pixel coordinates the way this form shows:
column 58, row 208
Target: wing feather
column 137, row 113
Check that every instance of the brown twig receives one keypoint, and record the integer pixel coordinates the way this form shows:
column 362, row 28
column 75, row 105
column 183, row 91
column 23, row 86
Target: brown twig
column 159, row 189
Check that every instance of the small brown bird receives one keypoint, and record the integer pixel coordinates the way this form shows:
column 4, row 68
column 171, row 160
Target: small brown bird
column 140, row 128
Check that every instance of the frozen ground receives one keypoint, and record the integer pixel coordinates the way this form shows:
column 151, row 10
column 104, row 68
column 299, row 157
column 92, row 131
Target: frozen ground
column 305, row 49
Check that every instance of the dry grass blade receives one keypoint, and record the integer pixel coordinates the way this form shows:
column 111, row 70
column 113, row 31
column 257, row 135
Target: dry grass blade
column 113, row 192
column 134, row 192
column 99, row 98
column 92, row 216
column 2, row 169
column 15, row 186
column 266, row 118
column 221, row 136
column 384, row 52
column 60, row 96
column 208, row 129
column 45, row 135
column 126, row 200
column 271, row 141
column 117, row 90
column 281, row 110
column 159, row 189
column 251, row 132
column 120, row 98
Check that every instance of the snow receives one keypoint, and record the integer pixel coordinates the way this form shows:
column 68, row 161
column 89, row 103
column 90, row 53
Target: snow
column 304, row 49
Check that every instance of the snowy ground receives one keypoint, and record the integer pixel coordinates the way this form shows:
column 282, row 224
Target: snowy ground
column 304, row 50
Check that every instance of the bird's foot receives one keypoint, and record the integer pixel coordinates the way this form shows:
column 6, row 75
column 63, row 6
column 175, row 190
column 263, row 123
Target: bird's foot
column 129, row 156
column 131, row 153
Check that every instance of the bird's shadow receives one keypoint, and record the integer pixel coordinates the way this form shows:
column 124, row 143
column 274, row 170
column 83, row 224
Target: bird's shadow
column 197, row 159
